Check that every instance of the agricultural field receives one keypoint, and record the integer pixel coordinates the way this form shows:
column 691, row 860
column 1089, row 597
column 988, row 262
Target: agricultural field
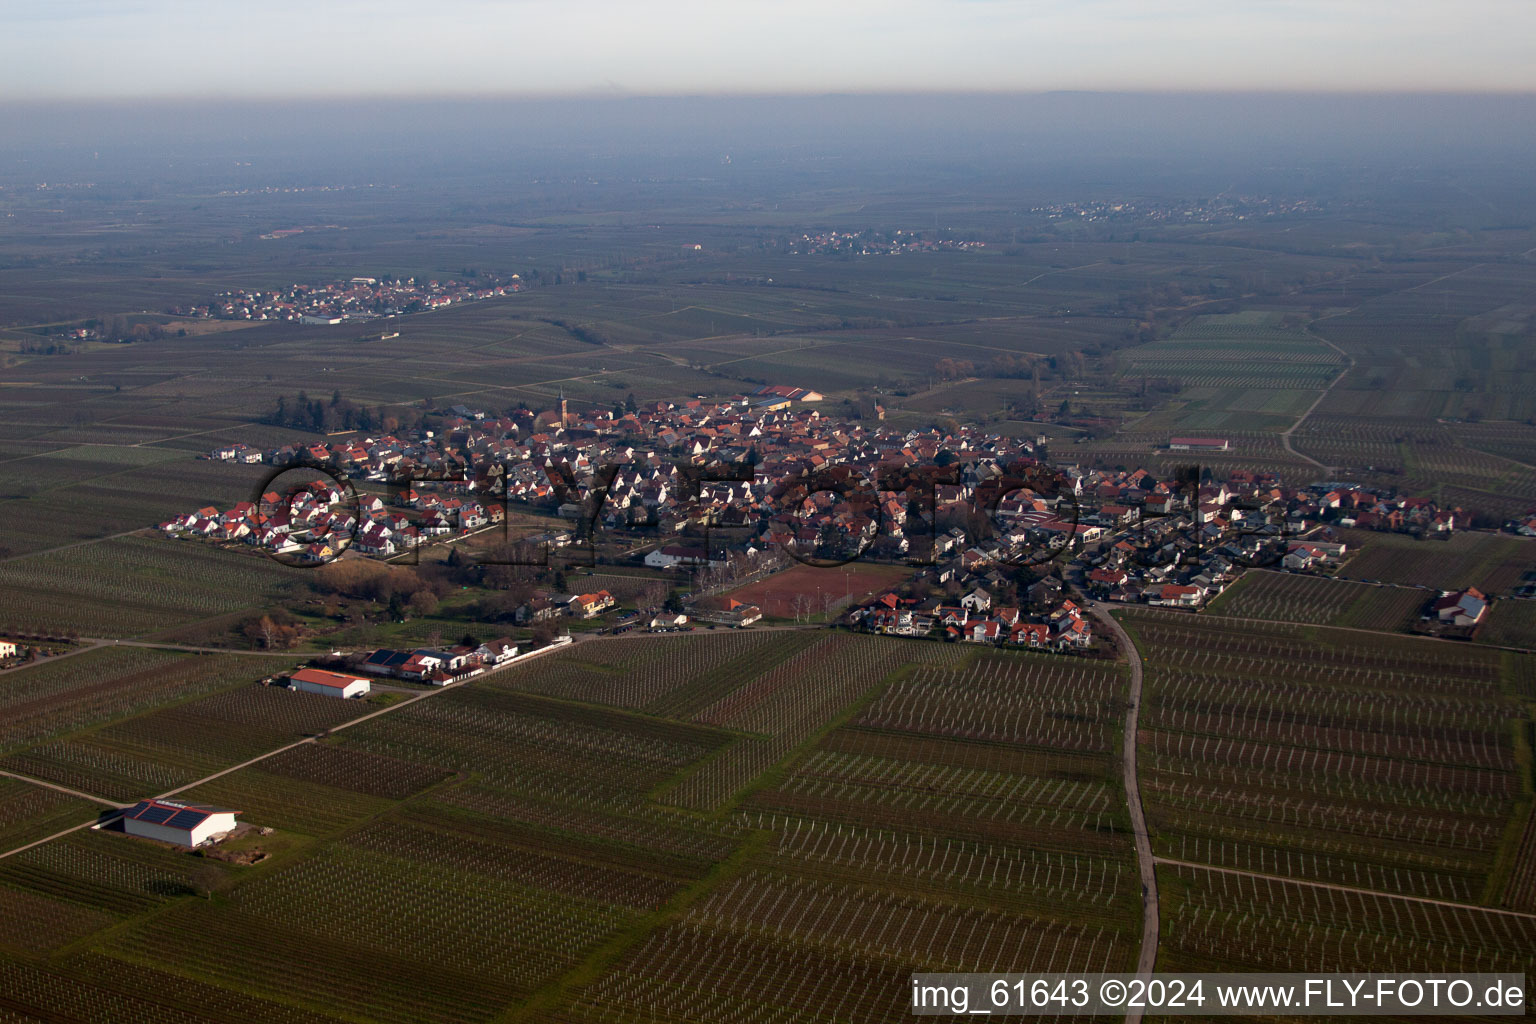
column 824, row 590
column 1243, row 350
column 88, row 689
column 171, row 746
column 130, row 586
column 1492, row 563
column 29, row 812
column 1214, row 921
column 1511, row 623
column 64, row 495
column 602, row 829
column 1388, row 763
column 1420, row 455
column 1268, row 596
column 1202, row 411
column 1252, row 450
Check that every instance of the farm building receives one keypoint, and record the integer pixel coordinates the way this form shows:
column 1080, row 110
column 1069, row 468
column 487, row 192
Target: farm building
column 670, row 555
column 1199, row 444
column 1461, row 607
column 7, row 649
column 328, row 684
column 171, row 821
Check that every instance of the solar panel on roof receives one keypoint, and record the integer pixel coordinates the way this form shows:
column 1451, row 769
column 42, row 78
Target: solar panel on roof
column 157, row 815
column 186, row 819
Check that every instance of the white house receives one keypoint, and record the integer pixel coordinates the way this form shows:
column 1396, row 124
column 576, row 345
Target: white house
column 977, row 600
column 172, row 821
column 497, row 652
column 666, row 557
column 7, row 649
column 328, row 684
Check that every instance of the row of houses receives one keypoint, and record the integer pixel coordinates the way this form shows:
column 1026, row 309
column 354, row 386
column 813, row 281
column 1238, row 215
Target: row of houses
column 974, row 619
column 434, row 666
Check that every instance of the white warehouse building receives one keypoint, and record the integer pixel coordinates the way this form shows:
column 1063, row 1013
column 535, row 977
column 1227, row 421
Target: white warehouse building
column 328, row 684
column 172, row 821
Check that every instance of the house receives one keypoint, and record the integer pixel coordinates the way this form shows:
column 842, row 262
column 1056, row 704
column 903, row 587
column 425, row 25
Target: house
column 328, row 684
column 1030, row 634
column 667, row 620
column 1074, row 632
column 171, row 821
column 666, row 557
column 406, row 664
column 588, row 605
column 977, row 600
column 497, row 652
column 740, row 613
column 1177, row 596
column 983, row 631
column 7, row 649
column 1461, row 607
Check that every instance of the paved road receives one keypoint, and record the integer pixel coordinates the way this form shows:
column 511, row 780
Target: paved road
column 1145, row 862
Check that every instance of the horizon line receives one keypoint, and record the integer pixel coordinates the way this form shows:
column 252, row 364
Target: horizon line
column 623, row 95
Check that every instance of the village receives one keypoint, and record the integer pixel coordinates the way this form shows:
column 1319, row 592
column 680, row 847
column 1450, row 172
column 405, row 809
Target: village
column 874, row 243
column 357, row 299
column 999, row 543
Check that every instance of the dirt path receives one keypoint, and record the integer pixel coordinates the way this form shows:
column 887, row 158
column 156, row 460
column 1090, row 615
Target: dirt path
column 423, row 695
column 1145, row 862
column 1285, row 435
column 62, row 789
column 1347, row 888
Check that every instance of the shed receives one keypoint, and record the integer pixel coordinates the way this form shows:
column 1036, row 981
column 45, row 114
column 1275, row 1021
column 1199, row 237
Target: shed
column 172, row 821
column 328, row 684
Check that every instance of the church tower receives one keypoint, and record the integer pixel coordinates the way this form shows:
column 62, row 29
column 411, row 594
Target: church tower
column 564, row 408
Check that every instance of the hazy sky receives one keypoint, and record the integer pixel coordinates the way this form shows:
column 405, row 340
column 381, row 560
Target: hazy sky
column 266, row 48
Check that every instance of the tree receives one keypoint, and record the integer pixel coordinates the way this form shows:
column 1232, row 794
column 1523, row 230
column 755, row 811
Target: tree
column 422, row 603
column 204, row 879
column 263, row 631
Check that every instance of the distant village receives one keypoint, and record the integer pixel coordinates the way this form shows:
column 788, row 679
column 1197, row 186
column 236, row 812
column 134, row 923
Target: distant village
column 1219, row 209
column 358, row 299
column 722, row 489
column 873, row 243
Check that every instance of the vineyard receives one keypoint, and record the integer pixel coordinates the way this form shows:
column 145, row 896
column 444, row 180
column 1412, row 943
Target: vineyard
column 1380, row 762
column 693, row 813
column 1511, row 623
column 132, row 585
column 1285, row 597
column 1218, row 921
column 966, row 813
column 29, row 812
column 97, row 686
column 1493, row 564
column 1237, row 352
column 783, row 825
